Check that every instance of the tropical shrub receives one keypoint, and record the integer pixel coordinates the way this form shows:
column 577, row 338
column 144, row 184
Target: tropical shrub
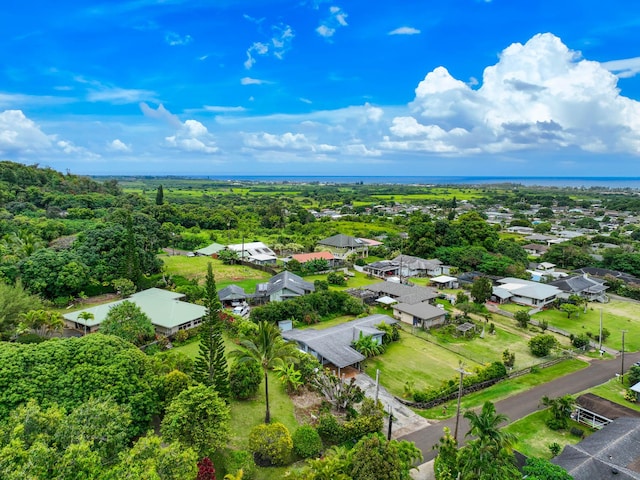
column 307, row 442
column 541, row 345
column 245, row 379
column 271, row 444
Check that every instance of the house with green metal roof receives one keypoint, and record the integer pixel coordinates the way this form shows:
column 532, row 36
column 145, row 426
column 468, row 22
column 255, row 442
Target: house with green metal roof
column 166, row 309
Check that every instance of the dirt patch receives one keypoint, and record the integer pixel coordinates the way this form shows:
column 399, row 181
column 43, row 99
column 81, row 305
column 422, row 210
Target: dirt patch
column 306, row 406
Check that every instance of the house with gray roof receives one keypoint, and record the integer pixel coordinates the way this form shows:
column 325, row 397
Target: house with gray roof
column 593, row 289
column 333, row 345
column 255, row 252
column 524, row 292
column 232, row 294
column 403, row 293
column 406, row 266
column 167, row 311
column 612, row 453
column 342, row 246
column 282, row 286
column 419, row 314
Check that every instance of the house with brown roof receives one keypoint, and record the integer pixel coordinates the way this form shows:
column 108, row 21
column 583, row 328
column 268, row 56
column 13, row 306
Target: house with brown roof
column 343, row 246
column 308, row 257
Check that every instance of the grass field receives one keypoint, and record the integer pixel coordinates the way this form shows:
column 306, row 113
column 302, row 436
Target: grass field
column 196, row 268
column 534, row 437
column 506, row 388
column 616, row 316
column 487, row 349
column 415, row 360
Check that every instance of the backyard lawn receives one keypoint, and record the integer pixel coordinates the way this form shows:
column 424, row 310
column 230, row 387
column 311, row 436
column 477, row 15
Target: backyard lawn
column 196, row 268
column 616, row 316
column 412, row 359
column 488, row 349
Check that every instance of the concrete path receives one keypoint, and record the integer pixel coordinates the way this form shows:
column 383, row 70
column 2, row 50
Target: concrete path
column 405, row 420
column 521, row 405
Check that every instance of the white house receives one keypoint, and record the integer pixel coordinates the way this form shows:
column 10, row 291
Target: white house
column 525, row 292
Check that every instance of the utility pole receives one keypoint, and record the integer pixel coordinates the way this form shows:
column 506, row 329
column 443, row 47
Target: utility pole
column 622, row 364
column 600, row 343
column 390, row 423
column 377, row 385
column 462, row 372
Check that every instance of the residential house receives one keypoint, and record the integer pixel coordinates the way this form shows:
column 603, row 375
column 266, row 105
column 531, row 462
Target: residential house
column 524, row 292
column 535, row 249
column 593, row 289
column 232, row 295
column 168, row 313
column 419, row 314
column 282, row 286
column 406, row 266
column 403, row 293
column 255, row 252
column 210, row 250
column 444, row 281
column 343, row 246
column 611, row 453
column 308, row 257
column 334, row 345
column 604, row 272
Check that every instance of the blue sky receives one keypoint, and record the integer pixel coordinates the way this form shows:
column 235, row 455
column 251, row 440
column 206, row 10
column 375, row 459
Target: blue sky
column 315, row 87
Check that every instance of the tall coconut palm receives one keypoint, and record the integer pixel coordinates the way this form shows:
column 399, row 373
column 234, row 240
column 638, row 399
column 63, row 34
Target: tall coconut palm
column 269, row 349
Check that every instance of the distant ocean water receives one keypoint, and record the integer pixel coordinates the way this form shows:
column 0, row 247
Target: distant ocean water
column 575, row 182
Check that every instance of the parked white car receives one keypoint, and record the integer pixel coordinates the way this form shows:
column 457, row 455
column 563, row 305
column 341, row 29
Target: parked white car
column 242, row 310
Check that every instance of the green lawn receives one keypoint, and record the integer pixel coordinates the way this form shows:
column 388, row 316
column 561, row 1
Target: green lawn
column 534, row 437
column 616, row 316
column 506, row 388
column 613, row 390
column 487, row 349
column 196, row 268
column 414, row 360
column 513, row 308
column 247, row 414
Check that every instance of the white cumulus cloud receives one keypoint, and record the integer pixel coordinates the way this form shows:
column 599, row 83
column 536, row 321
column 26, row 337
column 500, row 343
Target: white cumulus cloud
column 192, row 136
column 286, row 141
column 252, row 81
column 540, row 94
column 20, row 135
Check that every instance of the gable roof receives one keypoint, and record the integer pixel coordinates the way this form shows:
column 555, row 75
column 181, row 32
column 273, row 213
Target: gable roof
column 423, row 311
column 334, row 343
column 232, row 292
column 210, row 249
column 525, row 288
column 283, row 280
column 580, row 283
column 306, row 257
column 403, row 293
column 610, row 453
column 343, row 241
column 417, row 263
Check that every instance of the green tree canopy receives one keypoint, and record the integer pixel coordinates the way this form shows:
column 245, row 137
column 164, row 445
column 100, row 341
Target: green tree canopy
column 127, row 321
column 197, row 418
column 15, row 301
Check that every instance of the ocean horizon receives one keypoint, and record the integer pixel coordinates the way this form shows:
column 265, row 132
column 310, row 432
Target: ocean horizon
column 571, row 182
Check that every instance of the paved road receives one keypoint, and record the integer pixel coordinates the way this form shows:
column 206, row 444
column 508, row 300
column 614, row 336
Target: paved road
column 521, row 405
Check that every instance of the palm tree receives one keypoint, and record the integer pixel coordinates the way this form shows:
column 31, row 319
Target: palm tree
column 490, row 455
column 269, row 349
column 86, row 316
column 485, row 426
